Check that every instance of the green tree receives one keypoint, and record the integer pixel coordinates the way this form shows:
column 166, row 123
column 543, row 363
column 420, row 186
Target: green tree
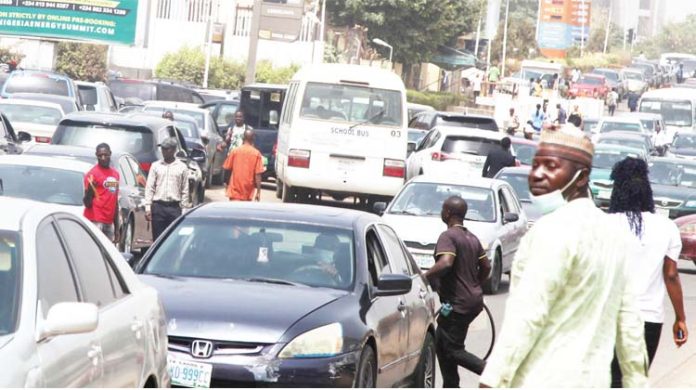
column 82, row 61
column 675, row 37
column 520, row 39
column 187, row 64
column 415, row 28
column 6, row 55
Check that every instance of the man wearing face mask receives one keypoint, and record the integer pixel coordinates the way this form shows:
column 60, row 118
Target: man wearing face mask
column 570, row 297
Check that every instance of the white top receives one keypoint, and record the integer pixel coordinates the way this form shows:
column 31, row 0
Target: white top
column 477, row 84
column 660, row 239
column 662, row 138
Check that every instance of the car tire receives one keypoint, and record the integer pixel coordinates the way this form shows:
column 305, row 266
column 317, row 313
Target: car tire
column 492, row 285
column 279, row 189
column 366, row 376
column 694, row 262
column 126, row 244
column 289, row 194
column 426, row 371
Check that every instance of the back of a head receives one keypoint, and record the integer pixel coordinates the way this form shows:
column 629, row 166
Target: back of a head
column 632, row 191
column 575, row 119
column 505, row 143
column 457, row 207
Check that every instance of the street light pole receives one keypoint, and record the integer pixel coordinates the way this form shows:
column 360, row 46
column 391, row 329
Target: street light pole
column 380, row 42
column 608, row 27
column 582, row 31
column 505, row 31
column 209, row 44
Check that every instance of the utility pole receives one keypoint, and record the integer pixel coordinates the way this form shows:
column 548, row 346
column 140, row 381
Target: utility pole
column 321, row 32
column 582, row 31
column 505, row 31
column 478, row 36
column 209, row 44
column 253, row 43
column 608, row 27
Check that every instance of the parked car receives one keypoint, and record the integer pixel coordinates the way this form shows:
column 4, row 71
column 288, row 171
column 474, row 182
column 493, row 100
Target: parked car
column 614, row 80
column 589, row 125
column 414, row 108
column 635, row 80
column 207, row 131
column 494, row 215
column 10, row 140
column 32, row 81
column 445, row 145
column 650, row 121
column 135, row 232
column 631, row 139
column 620, row 123
column 68, row 105
column 683, row 146
column 605, row 157
column 649, row 71
column 136, row 134
column 214, row 95
column 525, row 149
column 39, row 119
column 96, row 97
column 223, row 112
column 590, row 85
column 321, row 297
column 427, row 120
column 518, row 177
column 687, row 230
column 133, row 91
column 674, row 186
column 73, row 312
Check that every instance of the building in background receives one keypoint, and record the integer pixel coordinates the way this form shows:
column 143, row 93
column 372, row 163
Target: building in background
column 645, row 17
column 562, row 24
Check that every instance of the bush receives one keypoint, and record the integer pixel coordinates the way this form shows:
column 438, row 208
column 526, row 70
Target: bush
column 7, row 55
column 186, row 65
column 82, row 61
column 266, row 73
column 226, row 74
column 439, row 100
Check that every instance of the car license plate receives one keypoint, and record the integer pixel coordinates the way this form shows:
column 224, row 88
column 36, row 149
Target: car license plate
column 662, row 211
column 187, row 373
column 604, row 194
column 424, row 261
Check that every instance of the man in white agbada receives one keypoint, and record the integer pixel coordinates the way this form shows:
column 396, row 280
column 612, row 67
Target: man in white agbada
column 570, row 300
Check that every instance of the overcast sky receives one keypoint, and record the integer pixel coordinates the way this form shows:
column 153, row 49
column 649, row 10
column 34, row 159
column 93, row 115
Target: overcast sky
column 677, row 10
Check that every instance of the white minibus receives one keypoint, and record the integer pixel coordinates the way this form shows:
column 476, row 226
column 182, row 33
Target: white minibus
column 676, row 105
column 343, row 133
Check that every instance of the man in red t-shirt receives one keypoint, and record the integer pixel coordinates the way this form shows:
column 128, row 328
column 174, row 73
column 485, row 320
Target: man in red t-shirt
column 101, row 194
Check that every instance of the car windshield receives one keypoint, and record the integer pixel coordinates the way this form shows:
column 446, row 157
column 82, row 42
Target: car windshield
column 31, row 114
column 258, row 251
column 37, row 83
column 633, row 143
column 426, row 199
column 468, row 122
column 608, row 126
column 674, row 113
column 137, row 90
column 469, row 145
column 633, row 76
column 590, row 80
column 608, row 74
column 132, row 140
column 346, row 103
column 606, row 159
column 648, row 124
column 684, row 141
column 416, row 136
column 10, row 281
column 588, row 125
column 199, row 117
column 188, row 129
column 525, row 153
column 519, row 182
column 43, row 184
column 665, row 173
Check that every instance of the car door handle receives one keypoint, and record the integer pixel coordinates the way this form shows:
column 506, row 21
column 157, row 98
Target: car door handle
column 401, row 307
column 422, row 294
column 136, row 327
column 94, row 353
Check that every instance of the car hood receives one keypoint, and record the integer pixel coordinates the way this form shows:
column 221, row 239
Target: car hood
column 235, row 310
column 426, row 230
column 600, row 174
column 684, row 151
column 672, row 192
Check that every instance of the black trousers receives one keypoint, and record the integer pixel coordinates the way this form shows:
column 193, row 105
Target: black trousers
column 163, row 214
column 450, row 337
column 652, row 339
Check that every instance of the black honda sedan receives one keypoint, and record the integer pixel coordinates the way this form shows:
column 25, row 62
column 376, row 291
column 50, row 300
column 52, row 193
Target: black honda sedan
column 291, row 295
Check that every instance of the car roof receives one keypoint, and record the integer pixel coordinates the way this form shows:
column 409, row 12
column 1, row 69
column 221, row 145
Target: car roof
column 459, row 180
column 264, row 86
column 88, row 84
column 77, row 153
column 463, row 115
column 673, row 160
column 621, row 119
column 195, row 107
column 592, row 75
column 620, row 148
column 177, row 117
column 465, row 131
column 29, row 102
column 623, row 135
column 41, row 96
column 317, row 215
column 13, row 211
column 671, row 94
column 632, row 70
column 29, row 72
column 607, row 70
column 133, row 120
column 348, row 74
column 45, row 161
column 516, row 170
column 642, row 115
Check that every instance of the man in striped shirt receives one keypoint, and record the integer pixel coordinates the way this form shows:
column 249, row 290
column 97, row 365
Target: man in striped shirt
column 167, row 189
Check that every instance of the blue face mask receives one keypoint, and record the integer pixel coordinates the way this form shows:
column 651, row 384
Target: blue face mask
column 554, row 200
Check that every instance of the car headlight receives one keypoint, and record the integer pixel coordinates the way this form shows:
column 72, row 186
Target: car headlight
column 691, row 203
column 325, row 341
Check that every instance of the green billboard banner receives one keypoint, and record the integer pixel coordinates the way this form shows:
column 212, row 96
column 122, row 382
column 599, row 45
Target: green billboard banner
column 102, row 21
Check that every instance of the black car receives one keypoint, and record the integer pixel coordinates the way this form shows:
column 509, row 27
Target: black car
column 674, row 186
column 427, row 120
column 133, row 91
column 223, row 112
column 137, row 134
column 291, row 295
column 10, row 140
column 517, row 177
column 135, row 230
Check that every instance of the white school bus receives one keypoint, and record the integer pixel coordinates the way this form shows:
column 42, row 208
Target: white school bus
column 343, row 133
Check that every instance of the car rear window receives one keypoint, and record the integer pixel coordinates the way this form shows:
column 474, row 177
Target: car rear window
column 37, row 84
column 470, row 122
column 469, row 145
column 132, row 89
column 132, row 140
column 590, row 80
column 42, row 184
column 619, row 126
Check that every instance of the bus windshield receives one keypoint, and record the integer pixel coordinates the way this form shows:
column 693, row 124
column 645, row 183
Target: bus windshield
column 348, row 103
column 674, row 113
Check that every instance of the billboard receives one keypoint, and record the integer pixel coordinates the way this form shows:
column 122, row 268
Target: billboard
column 562, row 24
column 103, row 21
column 281, row 21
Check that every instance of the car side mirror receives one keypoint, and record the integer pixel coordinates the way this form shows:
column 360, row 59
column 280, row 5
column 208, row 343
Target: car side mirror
column 511, row 217
column 70, row 318
column 393, row 284
column 198, row 155
column 181, row 154
column 379, row 208
column 410, row 148
column 23, row 136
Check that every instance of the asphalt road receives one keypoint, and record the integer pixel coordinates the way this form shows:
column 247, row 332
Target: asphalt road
column 672, row 367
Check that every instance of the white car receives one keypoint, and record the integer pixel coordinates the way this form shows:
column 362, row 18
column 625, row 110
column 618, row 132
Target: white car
column 464, row 149
column 40, row 119
column 495, row 216
column 72, row 313
column 608, row 124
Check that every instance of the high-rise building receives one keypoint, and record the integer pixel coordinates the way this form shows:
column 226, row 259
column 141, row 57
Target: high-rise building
column 645, row 17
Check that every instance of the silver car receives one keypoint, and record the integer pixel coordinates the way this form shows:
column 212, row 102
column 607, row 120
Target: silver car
column 72, row 313
column 495, row 216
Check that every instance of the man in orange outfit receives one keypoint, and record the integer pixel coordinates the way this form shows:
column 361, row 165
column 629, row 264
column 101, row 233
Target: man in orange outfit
column 246, row 164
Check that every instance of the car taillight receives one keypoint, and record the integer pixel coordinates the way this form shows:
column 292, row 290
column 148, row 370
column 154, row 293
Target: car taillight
column 145, row 166
column 43, row 140
column 394, row 168
column 299, row 158
column 440, row 156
